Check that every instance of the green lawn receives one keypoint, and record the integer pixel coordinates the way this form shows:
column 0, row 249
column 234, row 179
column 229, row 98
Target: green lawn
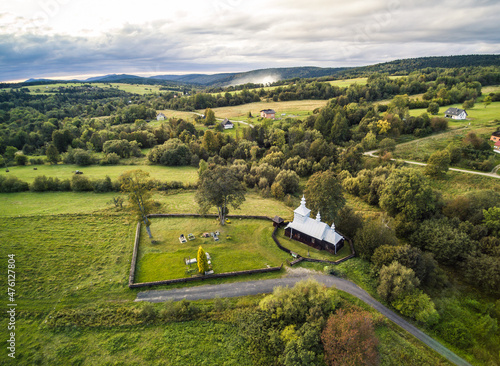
column 250, row 247
column 184, row 174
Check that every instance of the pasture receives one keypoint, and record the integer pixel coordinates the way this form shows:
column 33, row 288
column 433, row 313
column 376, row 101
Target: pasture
column 26, row 173
column 296, row 108
column 140, row 89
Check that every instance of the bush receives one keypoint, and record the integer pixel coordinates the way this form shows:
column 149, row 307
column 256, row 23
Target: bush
column 110, row 159
column 36, row 161
column 21, row 159
column 79, row 183
column 102, row 185
column 44, row 184
column 12, row 184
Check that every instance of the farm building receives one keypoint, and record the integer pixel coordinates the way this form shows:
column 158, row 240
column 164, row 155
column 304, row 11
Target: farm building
column 267, row 113
column 455, row 113
column 160, row 117
column 312, row 232
column 227, row 124
column 495, row 136
column 496, row 147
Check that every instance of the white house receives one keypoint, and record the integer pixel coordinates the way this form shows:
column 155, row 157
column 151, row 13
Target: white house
column 312, row 232
column 227, row 124
column 160, row 117
column 455, row 113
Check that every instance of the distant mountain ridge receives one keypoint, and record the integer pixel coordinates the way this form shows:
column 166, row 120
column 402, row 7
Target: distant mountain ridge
column 265, row 76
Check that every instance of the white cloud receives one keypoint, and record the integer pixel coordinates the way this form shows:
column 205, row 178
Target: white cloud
column 50, row 37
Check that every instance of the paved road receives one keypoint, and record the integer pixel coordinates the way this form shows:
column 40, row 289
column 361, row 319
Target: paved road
column 492, row 174
column 266, row 286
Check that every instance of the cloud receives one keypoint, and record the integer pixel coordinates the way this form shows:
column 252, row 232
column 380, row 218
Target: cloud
column 233, row 35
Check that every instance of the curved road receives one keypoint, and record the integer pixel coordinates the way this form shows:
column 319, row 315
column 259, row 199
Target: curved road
column 492, row 174
column 267, row 286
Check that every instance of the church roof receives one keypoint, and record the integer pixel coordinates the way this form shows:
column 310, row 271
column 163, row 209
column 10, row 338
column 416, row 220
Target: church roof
column 313, row 227
column 302, row 210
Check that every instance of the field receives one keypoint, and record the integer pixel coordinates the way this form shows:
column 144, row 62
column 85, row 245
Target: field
column 250, row 246
column 170, row 113
column 294, row 108
column 129, row 88
column 64, row 171
column 478, row 116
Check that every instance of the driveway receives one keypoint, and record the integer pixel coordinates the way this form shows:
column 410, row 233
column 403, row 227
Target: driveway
column 266, row 286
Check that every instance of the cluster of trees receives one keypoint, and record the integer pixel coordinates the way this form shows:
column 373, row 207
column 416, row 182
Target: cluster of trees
column 306, row 326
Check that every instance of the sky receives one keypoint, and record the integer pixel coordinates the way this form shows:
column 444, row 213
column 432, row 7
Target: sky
column 82, row 38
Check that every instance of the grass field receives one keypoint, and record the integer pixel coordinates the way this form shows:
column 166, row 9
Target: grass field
column 129, row 88
column 479, row 116
column 170, row 113
column 184, row 174
column 250, row 247
column 292, row 108
column 55, row 203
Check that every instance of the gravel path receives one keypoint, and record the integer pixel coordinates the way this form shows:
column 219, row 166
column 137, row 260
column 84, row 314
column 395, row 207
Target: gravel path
column 266, row 286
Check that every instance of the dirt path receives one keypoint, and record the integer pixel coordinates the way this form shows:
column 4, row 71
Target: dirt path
column 294, row 276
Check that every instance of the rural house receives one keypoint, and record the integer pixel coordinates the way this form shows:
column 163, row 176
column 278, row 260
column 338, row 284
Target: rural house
column 496, row 147
column 312, row 232
column 227, row 124
column 160, row 117
column 455, row 113
column 495, row 136
column 267, row 113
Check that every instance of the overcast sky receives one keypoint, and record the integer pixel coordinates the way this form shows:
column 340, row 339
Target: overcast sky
column 67, row 38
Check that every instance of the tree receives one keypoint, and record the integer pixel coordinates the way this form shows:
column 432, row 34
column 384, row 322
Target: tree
column 52, row 154
column 137, row 185
column 372, row 235
column 438, row 163
column 209, row 117
column 433, row 108
column 487, row 101
column 288, row 180
column 468, row 104
column 219, row 187
column 10, row 152
column 202, row 261
column 408, row 192
column 492, row 220
column 324, row 194
column 21, row 159
column 396, row 281
column 349, row 339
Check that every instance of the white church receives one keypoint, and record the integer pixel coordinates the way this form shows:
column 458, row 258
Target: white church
column 312, row 232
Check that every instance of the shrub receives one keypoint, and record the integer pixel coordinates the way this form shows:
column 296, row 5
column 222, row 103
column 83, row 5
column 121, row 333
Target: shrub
column 79, row 183
column 43, row 184
column 110, row 159
column 21, row 159
column 12, row 184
